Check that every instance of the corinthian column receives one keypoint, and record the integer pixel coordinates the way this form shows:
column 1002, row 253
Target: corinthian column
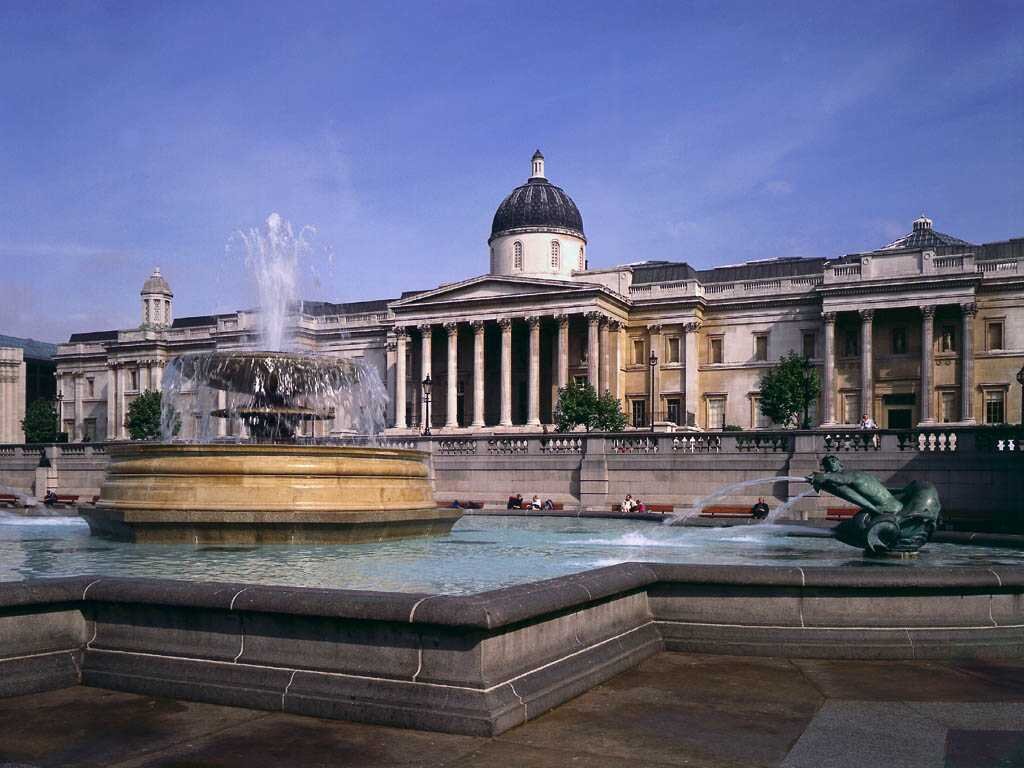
column 867, row 399
column 478, row 373
column 452, row 422
column 533, row 386
column 563, row 350
column 425, row 357
column 692, row 390
column 602, row 371
column 967, row 364
column 506, row 371
column 593, row 348
column 927, row 363
column 829, row 393
column 400, row 340
column 111, row 403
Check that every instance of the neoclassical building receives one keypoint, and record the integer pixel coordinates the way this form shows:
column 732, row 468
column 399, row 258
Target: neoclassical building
column 926, row 329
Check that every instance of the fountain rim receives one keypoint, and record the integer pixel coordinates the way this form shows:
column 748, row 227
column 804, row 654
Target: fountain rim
column 124, row 448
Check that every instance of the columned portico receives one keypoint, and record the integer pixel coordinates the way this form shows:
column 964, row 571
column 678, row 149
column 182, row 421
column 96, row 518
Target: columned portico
column 691, row 393
column 593, row 348
column 452, row 420
column 563, row 350
column 927, row 363
column 533, row 381
column 506, row 371
column 111, row 402
column 829, row 390
column 603, row 371
column 401, row 337
column 866, row 363
column 478, row 372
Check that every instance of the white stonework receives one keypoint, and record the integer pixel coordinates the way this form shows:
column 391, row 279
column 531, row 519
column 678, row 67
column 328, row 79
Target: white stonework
column 12, row 395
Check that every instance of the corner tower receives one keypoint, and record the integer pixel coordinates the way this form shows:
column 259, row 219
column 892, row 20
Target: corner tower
column 156, row 301
column 537, row 230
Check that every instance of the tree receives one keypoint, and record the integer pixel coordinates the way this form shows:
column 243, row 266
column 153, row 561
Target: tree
column 788, row 389
column 143, row 420
column 40, row 422
column 580, row 405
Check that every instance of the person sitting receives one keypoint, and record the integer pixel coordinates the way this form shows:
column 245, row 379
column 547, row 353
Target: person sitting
column 535, row 502
column 456, row 505
column 549, row 504
column 628, row 504
column 641, row 508
column 866, row 422
column 50, row 498
column 515, row 502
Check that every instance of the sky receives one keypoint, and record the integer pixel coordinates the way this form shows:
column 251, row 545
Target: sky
column 142, row 134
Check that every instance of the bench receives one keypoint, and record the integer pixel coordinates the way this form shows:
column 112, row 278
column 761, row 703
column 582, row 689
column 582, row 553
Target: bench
column 8, row 499
column 722, row 510
column 840, row 513
column 662, row 508
column 555, row 506
column 64, row 500
column 462, row 504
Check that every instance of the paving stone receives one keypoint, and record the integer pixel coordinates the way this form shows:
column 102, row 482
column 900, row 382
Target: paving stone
column 984, row 749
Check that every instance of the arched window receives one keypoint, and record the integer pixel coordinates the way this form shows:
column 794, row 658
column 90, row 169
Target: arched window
column 517, row 255
column 583, row 263
column 554, row 254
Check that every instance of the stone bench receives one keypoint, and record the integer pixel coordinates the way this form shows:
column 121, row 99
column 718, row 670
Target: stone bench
column 840, row 513
column 724, row 510
column 659, row 508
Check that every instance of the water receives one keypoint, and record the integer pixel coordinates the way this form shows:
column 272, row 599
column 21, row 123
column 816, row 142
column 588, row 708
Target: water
column 23, row 500
column 481, row 553
column 727, row 490
column 781, row 510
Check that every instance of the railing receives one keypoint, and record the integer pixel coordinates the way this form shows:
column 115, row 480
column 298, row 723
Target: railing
column 457, row 447
column 847, row 270
column 861, row 440
column 634, row 445
column 562, row 445
column 770, row 443
column 762, row 285
column 697, row 444
column 998, row 266
column 927, row 441
column 1002, row 439
column 507, row 446
column 948, row 262
column 719, row 288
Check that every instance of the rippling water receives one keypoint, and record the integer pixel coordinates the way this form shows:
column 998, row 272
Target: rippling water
column 481, row 553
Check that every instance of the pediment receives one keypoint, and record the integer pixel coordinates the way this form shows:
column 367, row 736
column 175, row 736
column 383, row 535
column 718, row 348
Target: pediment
column 488, row 287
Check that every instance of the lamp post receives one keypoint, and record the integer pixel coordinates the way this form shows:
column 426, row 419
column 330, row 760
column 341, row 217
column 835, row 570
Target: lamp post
column 1020, row 380
column 653, row 361
column 60, row 414
column 427, row 385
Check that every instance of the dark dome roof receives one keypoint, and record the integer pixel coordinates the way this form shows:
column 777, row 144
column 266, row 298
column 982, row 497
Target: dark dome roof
column 537, row 204
column 923, row 236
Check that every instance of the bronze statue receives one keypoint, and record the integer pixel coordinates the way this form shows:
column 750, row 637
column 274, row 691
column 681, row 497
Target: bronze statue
column 901, row 520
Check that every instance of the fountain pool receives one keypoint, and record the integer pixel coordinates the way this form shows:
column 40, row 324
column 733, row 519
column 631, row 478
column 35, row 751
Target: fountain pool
column 480, row 553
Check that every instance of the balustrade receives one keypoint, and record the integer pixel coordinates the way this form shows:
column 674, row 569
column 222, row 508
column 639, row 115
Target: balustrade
column 861, row 440
column 457, row 447
column 768, row 443
column 562, row 445
column 507, row 446
column 697, row 444
column 634, row 445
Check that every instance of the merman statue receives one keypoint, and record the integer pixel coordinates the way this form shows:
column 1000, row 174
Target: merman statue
column 898, row 521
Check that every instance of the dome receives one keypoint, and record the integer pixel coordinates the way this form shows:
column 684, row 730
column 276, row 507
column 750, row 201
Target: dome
column 923, row 236
column 156, row 283
column 537, row 205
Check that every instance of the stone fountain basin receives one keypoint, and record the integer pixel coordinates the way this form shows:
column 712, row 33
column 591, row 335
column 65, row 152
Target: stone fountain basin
column 269, row 373
column 265, row 494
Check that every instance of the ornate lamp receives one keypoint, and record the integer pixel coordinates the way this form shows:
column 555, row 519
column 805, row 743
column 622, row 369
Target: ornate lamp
column 427, row 386
column 1020, row 380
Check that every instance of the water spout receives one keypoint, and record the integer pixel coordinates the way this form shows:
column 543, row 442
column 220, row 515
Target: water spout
column 698, row 506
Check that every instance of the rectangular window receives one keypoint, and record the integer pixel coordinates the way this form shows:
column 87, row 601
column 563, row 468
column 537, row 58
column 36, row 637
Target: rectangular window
column 716, row 412
column 761, row 347
column 715, row 352
column 810, row 344
column 994, row 407
column 994, row 334
column 851, row 402
column 90, row 386
column 947, row 338
column 851, row 344
column 899, row 341
column 89, row 430
column 133, row 377
column 672, row 410
column 672, row 349
column 948, row 405
column 638, row 352
column 759, row 420
column 639, row 413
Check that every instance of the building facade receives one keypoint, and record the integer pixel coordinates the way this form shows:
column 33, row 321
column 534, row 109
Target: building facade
column 927, row 329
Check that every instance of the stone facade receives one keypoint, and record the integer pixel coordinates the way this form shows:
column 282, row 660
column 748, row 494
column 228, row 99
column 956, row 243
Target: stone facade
column 929, row 329
column 12, row 395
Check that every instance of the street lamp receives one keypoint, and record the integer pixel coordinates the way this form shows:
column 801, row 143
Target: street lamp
column 653, row 361
column 1020, row 380
column 427, row 385
column 60, row 414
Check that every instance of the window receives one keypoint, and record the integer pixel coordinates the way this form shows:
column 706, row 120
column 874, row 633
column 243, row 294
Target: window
column 580, row 380
column 716, row 412
column 133, row 377
column 851, row 402
column 517, row 256
column 672, row 410
column 715, row 353
column 947, row 338
column 555, row 251
column 582, row 261
column 639, row 413
column 672, row 349
column 639, row 358
column 89, row 430
column 90, row 386
column 899, row 341
column 994, row 406
column 947, row 405
column 851, row 344
column 810, row 344
column 757, row 419
column 994, row 335
column 760, row 347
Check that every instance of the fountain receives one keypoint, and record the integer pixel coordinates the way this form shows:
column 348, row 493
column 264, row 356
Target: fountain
column 275, row 483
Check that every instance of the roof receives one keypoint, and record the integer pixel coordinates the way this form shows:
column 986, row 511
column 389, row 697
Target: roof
column 31, row 349
column 194, row 321
column 322, row 308
column 537, row 204
column 923, row 236
column 665, row 271
column 93, row 336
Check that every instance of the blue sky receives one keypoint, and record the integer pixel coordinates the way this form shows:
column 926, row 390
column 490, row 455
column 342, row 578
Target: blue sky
column 139, row 134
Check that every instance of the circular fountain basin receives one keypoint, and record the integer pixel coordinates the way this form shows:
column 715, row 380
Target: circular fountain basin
column 265, row 494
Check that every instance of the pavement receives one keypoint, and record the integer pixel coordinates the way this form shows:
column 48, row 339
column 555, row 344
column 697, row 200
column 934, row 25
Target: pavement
column 675, row 709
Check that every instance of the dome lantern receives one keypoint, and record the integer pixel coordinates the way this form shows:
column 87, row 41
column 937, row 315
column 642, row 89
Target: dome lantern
column 156, row 300
column 538, row 166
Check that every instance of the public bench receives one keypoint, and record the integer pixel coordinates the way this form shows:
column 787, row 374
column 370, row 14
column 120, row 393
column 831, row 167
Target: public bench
column 64, row 500
column 662, row 508
column 724, row 510
column 8, row 499
column 840, row 513
column 462, row 504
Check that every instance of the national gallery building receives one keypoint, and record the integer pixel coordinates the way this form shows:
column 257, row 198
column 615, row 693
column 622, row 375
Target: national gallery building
column 926, row 329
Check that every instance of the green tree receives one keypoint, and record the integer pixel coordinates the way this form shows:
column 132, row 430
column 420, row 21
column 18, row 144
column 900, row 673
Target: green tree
column 40, row 422
column 143, row 420
column 788, row 389
column 580, row 405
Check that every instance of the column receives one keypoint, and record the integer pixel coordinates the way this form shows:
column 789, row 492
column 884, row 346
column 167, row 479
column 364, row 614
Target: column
column 867, row 399
column 506, row 371
column 927, row 363
column 829, row 394
column 158, row 371
column 425, row 352
column 654, row 340
column 79, row 422
column 692, row 391
column 111, row 403
column 967, row 363
column 479, row 373
column 391, row 380
column 614, row 346
column 122, row 414
column 603, row 373
column 400, row 339
column 533, row 383
column 593, row 348
column 452, row 421
column 563, row 350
